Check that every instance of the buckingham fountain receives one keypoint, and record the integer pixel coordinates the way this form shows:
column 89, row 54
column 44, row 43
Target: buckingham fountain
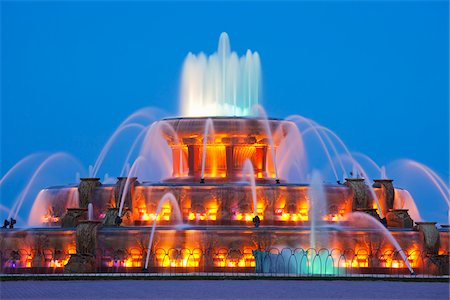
column 225, row 200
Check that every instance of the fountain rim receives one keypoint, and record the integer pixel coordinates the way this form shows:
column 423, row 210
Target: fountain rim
column 223, row 118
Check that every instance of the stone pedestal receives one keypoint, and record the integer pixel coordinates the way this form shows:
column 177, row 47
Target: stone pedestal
column 399, row 218
column 430, row 236
column 84, row 261
column 388, row 193
column 360, row 200
column 73, row 217
column 110, row 218
column 370, row 211
column 119, row 190
column 86, row 189
column 442, row 263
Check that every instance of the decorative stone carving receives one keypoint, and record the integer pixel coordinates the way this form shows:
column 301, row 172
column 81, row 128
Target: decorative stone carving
column 359, row 192
column 430, row 236
column 73, row 217
column 110, row 217
column 86, row 243
column 86, row 189
column 370, row 211
column 399, row 218
column 388, row 191
column 119, row 190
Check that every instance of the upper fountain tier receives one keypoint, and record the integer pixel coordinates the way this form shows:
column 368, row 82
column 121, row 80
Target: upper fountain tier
column 228, row 141
column 221, row 84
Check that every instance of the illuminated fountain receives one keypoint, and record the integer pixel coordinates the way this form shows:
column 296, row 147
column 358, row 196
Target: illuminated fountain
column 226, row 189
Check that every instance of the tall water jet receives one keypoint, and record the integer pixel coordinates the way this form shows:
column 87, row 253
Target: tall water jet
column 248, row 173
column 318, row 206
column 90, row 209
column 174, row 205
column 221, row 84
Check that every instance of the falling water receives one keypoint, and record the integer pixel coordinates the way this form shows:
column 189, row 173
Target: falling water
column 311, row 124
column 367, row 159
column 357, row 168
column 291, row 153
column 174, row 205
column 126, row 165
column 262, row 113
column 249, row 173
column 404, row 200
column 209, row 129
column 109, row 144
column 138, row 163
column 221, row 84
column 131, row 122
column 361, row 220
column 24, row 162
column 157, row 152
column 37, row 175
column 55, row 201
column 429, row 191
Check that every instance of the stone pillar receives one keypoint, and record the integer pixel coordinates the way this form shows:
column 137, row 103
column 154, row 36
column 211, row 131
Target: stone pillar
column 261, row 157
column 430, row 236
column 193, row 160
column 360, row 200
column 119, row 190
column 229, row 151
column 399, row 218
column 86, row 189
column 84, row 261
column 388, row 193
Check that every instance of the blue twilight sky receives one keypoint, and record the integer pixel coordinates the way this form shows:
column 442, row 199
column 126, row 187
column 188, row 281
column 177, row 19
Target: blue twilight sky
column 376, row 72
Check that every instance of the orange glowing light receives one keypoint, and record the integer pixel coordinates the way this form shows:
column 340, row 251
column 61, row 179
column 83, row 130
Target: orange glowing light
column 50, row 219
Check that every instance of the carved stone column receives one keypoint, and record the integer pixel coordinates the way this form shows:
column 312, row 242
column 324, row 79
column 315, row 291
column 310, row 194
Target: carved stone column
column 388, row 193
column 119, row 190
column 358, row 187
column 193, row 160
column 86, row 189
column 229, row 151
column 84, row 261
column 110, row 217
column 430, row 236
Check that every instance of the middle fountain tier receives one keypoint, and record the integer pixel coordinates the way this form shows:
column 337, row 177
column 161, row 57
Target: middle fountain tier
column 213, row 185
